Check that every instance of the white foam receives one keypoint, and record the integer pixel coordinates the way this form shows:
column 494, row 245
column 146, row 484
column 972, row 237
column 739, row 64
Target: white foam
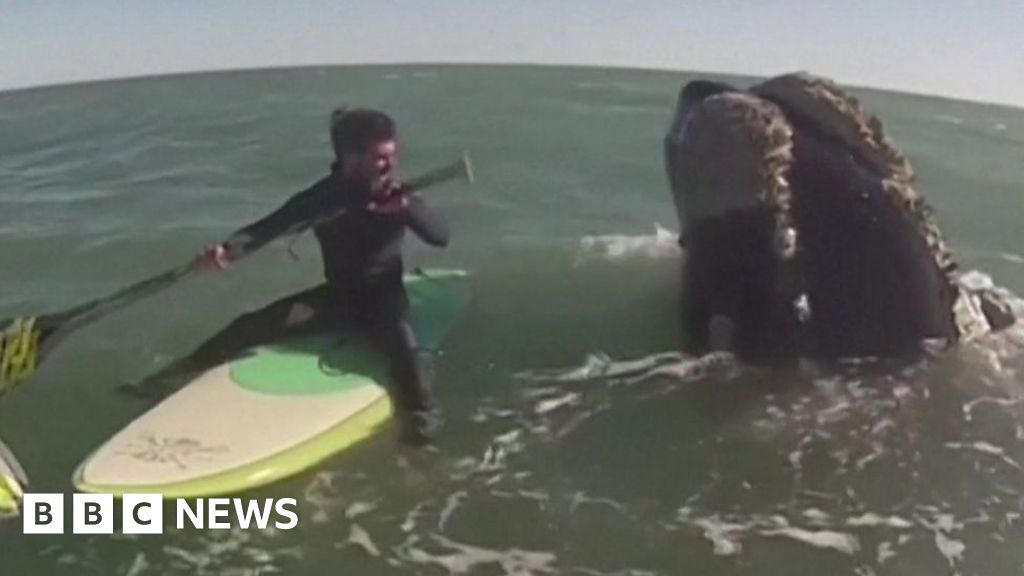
column 497, row 452
column 816, row 516
column 194, row 560
column 580, row 498
column 838, row 541
column 661, row 366
column 952, row 550
column 451, row 505
column 1011, row 257
column 322, row 495
column 691, row 369
column 545, row 406
column 357, row 536
column 662, row 244
column 968, row 408
column 985, row 448
column 593, row 366
column 359, row 508
column 724, row 536
column 462, row 558
column 139, row 565
column 976, row 280
column 411, row 518
column 885, row 552
column 872, row 520
column 600, row 365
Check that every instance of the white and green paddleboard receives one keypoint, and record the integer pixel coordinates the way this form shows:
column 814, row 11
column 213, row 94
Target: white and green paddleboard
column 274, row 412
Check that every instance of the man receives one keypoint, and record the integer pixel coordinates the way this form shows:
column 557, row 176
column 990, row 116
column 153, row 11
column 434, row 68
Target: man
column 362, row 259
column 804, row 233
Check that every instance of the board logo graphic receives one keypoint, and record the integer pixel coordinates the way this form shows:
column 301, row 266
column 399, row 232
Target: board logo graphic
column 180, row 451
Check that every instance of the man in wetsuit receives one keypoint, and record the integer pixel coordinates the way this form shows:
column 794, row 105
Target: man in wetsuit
column 362, row 258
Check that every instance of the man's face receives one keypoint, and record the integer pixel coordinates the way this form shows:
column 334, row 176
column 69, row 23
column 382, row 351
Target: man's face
column 376, row 167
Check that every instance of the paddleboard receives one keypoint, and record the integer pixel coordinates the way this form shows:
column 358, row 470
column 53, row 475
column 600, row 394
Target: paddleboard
column 274, row 411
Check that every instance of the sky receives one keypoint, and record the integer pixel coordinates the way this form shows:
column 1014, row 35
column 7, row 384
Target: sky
column 958, row 48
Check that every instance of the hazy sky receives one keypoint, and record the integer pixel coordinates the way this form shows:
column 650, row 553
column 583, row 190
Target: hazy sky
column 970, row 49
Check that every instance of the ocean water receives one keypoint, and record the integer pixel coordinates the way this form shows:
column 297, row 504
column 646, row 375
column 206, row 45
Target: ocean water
column 577, row 441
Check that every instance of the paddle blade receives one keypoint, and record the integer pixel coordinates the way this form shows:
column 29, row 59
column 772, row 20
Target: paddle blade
column 19, row 352
column 461, row 169
column 10, row 496
column 12, row 482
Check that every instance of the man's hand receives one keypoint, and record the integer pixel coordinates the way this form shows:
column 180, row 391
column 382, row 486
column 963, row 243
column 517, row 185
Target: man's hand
column 213, row 258
column 395, row 201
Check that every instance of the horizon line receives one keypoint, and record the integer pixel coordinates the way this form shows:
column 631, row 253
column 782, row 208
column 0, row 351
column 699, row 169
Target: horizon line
column 282, row 67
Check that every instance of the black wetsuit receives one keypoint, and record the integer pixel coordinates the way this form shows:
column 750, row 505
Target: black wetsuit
column 362, row 257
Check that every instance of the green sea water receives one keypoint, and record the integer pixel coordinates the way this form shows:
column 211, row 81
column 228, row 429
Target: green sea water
column 575, row 441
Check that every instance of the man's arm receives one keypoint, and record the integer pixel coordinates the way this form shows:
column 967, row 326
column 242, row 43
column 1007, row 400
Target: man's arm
column 428, row 224
column 261, row 232
column 294, row 215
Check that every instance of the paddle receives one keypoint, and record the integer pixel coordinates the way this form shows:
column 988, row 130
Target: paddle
column 12, row 481
column 26, row 341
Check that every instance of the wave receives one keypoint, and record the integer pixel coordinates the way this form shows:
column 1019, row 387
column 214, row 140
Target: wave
column 856, row 421
column 726, row 533
column 1011, row 257
column 601, row 366
column 607, row 108
column 620, row 86
column 948, row 119
column 662, row 244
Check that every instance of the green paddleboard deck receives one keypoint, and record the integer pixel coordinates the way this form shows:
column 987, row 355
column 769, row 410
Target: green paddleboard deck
column 338, row 362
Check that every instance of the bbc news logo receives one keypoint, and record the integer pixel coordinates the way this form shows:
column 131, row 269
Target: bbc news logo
column 144, row 514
